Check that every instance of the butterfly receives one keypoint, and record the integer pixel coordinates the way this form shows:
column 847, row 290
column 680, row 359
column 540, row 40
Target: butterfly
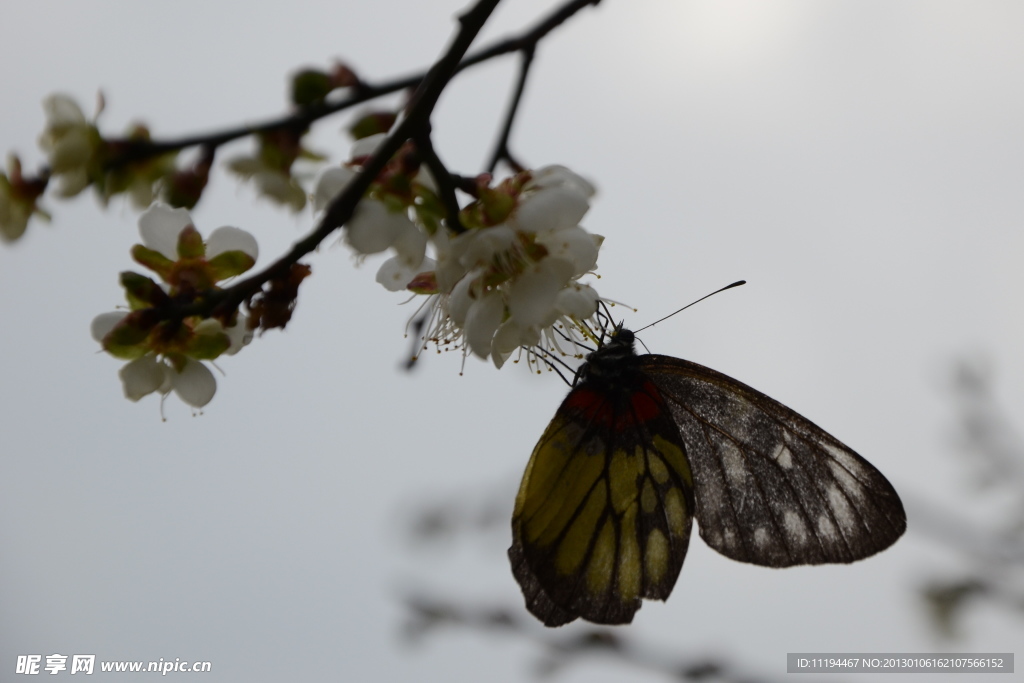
column 641, row 446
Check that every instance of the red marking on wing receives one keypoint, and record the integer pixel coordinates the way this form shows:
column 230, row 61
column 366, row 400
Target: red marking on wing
column 593, row 405
column 645, row 404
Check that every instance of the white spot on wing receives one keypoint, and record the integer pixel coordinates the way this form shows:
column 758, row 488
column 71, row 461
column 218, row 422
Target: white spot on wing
column 841, row 509
column 795, row 527
column 844, row 458
column 783, row 456
column 847, row 480
column 761, row 537
column 826, row 528
column 732, row 460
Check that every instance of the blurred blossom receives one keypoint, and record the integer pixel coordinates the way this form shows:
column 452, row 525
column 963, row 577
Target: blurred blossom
column 71, row 143
column 18, row 197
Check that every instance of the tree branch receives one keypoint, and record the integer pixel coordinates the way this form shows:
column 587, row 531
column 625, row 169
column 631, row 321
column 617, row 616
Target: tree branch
column 418, row 112
column 501, row 150
column 136, row 150
column 445, row 183
column 222, row 303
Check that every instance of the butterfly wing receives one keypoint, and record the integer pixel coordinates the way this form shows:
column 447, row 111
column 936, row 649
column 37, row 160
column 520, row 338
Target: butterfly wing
column 603, row 514
column 772, row 488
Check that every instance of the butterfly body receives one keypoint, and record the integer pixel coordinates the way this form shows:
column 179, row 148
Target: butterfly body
column 641, row 446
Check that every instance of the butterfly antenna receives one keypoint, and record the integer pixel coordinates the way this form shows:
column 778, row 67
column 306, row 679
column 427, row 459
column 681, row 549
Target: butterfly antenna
column 735, row 284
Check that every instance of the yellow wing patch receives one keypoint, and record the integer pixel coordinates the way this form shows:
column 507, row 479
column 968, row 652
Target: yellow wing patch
column 603, row 515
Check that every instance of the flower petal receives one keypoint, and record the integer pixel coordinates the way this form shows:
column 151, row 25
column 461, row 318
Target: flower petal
column 482, row 320
column 483, row 245
column 425, row 178
column 395, row 274
column 13, row 219
column 461, row 298
column 73, row 182
column 411, row 245
column 280, row 187
column 195, row 384
column 579, row 301
column 373, row 228
column 575, row 245
column 104, row 323
column 531, row 298
column 62, row 110
column 365, row 147
column 240, row 335
column 551, row 209
column 160, row 226
column 511, row 335
column 142, row 377
column 71, row 152
column 330, row 184
column 556, row 175
column 227, row 238
column 450, row 269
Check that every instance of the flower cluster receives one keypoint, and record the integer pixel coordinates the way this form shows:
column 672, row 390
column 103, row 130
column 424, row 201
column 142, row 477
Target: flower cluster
column 79, row 156
column 166, row 354
column 513, row 277
column 510, row 279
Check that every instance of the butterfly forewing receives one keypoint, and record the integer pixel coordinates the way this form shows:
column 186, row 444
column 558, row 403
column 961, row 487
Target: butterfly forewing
column 772, row 488
column 603, row 514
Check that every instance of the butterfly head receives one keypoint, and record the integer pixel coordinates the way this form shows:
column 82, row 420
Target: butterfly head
column 618, row 338
column 613, row 355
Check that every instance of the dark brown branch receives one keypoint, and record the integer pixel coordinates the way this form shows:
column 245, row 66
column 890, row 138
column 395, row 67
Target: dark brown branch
column 134, row 150
column 222, row 303
column 340, row 209
column 444, row 180
column 501, row 150
column 418, row 113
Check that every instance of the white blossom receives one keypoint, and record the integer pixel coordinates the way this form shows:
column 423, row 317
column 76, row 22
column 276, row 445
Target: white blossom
column 508, row 286
column 164, row 363
column 160, row 227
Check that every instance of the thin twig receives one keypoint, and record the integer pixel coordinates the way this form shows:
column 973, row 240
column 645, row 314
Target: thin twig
column 444, row 180
column 501, row 150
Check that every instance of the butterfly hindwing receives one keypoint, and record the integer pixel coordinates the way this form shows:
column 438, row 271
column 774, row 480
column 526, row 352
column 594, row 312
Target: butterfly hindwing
column 603, row 514
column 772, row 488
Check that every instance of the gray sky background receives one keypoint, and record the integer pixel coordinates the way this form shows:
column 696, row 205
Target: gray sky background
column 858, row 162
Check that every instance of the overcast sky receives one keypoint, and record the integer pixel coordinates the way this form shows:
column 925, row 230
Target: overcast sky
column 858, row 162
